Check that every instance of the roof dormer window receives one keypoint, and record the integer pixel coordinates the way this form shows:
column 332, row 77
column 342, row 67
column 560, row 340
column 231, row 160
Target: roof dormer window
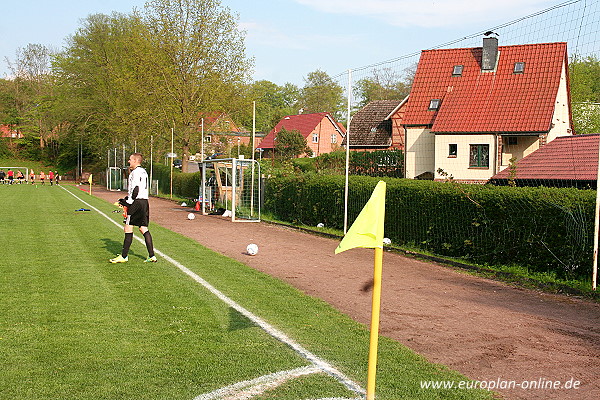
column 519, row 68
column 434, row 104
column 458, row 70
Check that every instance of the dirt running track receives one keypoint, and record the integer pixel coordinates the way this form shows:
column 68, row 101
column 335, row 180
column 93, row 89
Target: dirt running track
column 485, row 329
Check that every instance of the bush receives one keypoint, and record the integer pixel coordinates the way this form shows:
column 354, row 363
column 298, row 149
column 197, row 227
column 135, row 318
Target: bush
column 544, row 229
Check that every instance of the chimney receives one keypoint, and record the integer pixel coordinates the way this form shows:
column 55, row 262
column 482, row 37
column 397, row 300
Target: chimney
column 489, row 55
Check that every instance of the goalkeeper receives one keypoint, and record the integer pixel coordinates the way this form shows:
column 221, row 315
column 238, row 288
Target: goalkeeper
column 138, row 210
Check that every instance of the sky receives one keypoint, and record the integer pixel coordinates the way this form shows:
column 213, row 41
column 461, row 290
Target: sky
column 288, row 39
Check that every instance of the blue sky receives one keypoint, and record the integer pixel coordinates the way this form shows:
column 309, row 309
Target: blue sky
column 291, row 38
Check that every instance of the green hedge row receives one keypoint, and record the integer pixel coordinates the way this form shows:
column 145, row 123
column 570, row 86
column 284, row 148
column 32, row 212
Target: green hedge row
column 544, row 229
column 184, row 185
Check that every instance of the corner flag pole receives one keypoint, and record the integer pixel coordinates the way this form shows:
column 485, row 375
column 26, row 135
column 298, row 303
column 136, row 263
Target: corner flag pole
column 367, row 231
column 375, row 311
column 90, row 181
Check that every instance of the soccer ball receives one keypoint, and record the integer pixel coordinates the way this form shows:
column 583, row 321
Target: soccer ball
column 191, row 216
column 320, row 225
column 387, row 241
column 252, row 249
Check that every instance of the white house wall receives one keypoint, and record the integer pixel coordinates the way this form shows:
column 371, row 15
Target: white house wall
column 524, row 147
column 420, row 152
column 561, row 124
column 458, row 166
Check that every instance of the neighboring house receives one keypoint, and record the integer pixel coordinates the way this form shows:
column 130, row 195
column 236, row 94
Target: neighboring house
column 220, row 130
column 567, row 161
column 322, row 132
column 471, row 110
column 378, row 126
column 7, row 131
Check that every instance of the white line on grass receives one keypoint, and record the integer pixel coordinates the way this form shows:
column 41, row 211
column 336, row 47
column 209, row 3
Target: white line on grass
column 271, row 330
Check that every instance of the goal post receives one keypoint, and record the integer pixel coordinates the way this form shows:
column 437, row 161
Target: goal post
column 233, row 185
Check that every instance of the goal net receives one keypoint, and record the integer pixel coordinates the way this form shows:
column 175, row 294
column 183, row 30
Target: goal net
column 232, row 185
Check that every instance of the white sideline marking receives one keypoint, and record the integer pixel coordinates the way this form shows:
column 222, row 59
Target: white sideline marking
column 271, row 330
column 247, row 389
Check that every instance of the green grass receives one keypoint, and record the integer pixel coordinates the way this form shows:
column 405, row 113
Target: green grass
column 76, row 327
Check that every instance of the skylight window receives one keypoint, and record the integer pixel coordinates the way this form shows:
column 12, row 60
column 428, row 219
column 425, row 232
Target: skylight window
column 434, row 104
column 519, row 68
column 458, row 70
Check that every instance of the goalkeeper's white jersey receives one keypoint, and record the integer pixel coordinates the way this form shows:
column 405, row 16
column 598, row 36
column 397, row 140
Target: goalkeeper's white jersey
column 138, row 178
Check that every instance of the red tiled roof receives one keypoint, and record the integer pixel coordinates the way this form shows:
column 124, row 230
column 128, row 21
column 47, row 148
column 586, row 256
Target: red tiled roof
column 303, row 123
column 7, row 131
column 477, row 101
column 566, row 157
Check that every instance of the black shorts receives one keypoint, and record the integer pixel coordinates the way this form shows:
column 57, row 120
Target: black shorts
column 138, row 213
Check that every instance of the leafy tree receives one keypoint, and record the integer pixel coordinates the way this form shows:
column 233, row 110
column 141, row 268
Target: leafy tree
column 273, row 102
column 322, row 94
column 32, row 92
column 291, row 144
column 198, row 62
column 385, row 84
column 584, row 74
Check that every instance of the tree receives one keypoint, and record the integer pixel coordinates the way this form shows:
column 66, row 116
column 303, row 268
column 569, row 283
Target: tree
column 198, row 62
column 273, row 102
column 321, row 94
column 291, row 144
column 385, row 84
column 32, row 88
column 584, row 74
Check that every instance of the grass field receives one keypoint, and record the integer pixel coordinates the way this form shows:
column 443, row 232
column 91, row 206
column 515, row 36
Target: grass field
column 74, row 326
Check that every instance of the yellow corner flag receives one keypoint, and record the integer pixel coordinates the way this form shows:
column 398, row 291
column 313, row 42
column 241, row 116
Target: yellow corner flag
column 90, row 181
column 367, row 229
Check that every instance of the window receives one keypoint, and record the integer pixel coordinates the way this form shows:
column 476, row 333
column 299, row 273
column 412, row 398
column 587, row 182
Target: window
column 458, row 70
column 479, row 155
column 452, row 150
column 512, row 141
column 208, row 139
column 315, row 138
column 334, row 138
column 519, row 68
column 434, row 104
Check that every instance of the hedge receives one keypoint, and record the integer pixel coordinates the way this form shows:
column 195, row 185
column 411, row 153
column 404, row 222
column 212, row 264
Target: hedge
column 184, row 185
column 544, row 229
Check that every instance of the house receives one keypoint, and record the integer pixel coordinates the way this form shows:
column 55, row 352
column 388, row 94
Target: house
column 567, row 161
column 378, row 126
column 7, row 131
column 471, row 110
column 322, row 132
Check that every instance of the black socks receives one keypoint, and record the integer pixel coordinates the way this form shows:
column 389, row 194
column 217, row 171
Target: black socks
column 149, row 245
column 126, row 244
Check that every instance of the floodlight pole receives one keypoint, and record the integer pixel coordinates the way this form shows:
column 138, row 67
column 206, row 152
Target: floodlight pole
column 596, row 224
column 151, row 145
column 347, row 152
column 202, row 140
column 172, row 158
column 253, row 148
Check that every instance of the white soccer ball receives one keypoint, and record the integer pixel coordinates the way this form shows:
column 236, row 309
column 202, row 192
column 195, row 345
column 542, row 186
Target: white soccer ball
column 387, row 241
column 191, row 216
column 320, row 225
column 252, row 249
